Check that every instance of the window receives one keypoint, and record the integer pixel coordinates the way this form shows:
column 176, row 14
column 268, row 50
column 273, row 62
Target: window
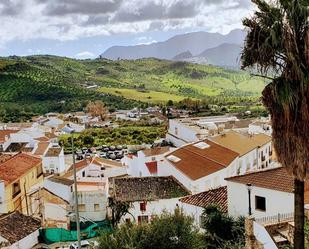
column 142, row 206
column 81, row 207
column 176, row 131
column 142, row 219
column 39, row 171
column 16, row 189
column 84, row 174
column 96, row 207
column 153, row 158
column 260, row 203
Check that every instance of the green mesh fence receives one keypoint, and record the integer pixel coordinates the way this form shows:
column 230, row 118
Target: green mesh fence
column 53, row 235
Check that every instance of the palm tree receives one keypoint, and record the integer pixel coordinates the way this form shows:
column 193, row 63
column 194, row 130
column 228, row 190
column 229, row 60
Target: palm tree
column 277, row 45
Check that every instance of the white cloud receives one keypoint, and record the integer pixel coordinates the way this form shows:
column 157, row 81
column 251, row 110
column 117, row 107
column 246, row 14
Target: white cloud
column 85, row 55
column 30, row 19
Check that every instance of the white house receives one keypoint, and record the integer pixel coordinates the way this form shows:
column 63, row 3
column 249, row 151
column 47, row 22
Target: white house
column 200, row 166
column 96, row 169
column 194, row 205
column 149, row 196
column 92, row 200
column 260, row 126
column 254, row 150
column 53, row 160
column 18, row 231
column 2, row 197
column 188, row 130
column 270, row 191
column 4, row 138
column 145, row 163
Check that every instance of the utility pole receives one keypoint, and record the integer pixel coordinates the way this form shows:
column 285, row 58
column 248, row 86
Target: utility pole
column 75, row 193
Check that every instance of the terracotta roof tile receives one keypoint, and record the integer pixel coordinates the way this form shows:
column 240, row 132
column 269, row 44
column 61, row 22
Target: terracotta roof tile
column 241, row 143
column 42, row 147
column 197, row 163
column 275, row 178
column 155, row 151
column 147, row 188
column 18, row 165
column 6, row 133
column 61, row 180
column 53, row 152
column 216, row 196
column 16, row 226
column 42, row 139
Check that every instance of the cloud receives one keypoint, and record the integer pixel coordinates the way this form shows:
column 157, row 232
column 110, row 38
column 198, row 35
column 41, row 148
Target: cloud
column 85, row 55
column 74, row 19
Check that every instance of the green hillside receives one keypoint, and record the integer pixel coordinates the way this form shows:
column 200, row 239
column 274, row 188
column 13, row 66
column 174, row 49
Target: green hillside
column 37, row 84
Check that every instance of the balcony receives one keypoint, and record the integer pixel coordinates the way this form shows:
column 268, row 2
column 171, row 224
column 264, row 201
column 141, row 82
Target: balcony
column 16, row 193
column 263, row 158
column 270, row 153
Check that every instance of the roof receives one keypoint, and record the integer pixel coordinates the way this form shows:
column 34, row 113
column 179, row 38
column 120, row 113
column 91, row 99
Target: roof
column 84, row 163
column 147, row 188
column 241, row 143
column 155, row 151
column 197, row 163
column 5, row 133
column 274, row 178
column 53, row 152
column 41, row 148
column 42, row 139
column 217, row 196
column 152, row 167
column 16, row 226
column 61, row 180
column 16, row 166
column 107, row 162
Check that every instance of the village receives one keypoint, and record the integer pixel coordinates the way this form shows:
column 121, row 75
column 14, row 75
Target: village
column 201, row 161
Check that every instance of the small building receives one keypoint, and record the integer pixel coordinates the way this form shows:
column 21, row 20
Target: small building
column 200, row 166
column 148, row 196
column 194, row 205
column 18, row 231
column 19, row 173
column 270, row 191
column 96, row 169
column 145, row 163
column 254, row 150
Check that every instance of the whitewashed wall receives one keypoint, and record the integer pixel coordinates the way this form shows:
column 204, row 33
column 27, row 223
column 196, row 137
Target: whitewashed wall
column 276, row 201
column 3, row 206
column 152, row 208
column 89, row 199
column 27, row 242
column 61, row 190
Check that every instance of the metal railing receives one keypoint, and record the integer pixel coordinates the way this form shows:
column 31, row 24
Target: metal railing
column 274, row 219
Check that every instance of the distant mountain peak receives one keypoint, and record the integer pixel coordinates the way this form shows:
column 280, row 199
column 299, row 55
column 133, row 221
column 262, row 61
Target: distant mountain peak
column 181, row 47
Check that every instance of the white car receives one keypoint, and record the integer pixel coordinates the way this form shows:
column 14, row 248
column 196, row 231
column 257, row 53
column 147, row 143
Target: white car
column 84, row 244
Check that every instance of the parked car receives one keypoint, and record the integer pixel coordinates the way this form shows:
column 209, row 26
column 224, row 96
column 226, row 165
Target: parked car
column 84, row 244
column 112, row 148
column 87, row 155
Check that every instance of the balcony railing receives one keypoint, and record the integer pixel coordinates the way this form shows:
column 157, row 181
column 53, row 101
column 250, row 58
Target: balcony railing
column 270, row 153
column 274, row 219
column 263, row 158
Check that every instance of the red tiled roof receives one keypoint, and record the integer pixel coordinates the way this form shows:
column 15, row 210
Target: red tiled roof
column 152, row 167
column 155, row 151
column 84, row 163
column 4, row 133
column 197, row 163
column 42, row 139
column 275, row 178
column 16, row 166
column 42, row 147
column 216, row 196
column 16, row 226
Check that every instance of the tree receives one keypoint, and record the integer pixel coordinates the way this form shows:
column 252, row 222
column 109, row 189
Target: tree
column 221, row 230
column 168, row 231
column 277, row 44
column 97, row 108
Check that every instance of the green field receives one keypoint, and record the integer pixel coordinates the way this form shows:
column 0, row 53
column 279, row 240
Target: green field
column 147, row 96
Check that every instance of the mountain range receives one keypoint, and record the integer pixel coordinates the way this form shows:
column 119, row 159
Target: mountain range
column 196, row 47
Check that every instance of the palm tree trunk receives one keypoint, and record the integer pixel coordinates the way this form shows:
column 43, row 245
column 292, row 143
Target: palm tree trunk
column 299, row 215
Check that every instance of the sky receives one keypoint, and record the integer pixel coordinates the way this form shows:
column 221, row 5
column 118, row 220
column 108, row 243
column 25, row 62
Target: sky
column 86, row 28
